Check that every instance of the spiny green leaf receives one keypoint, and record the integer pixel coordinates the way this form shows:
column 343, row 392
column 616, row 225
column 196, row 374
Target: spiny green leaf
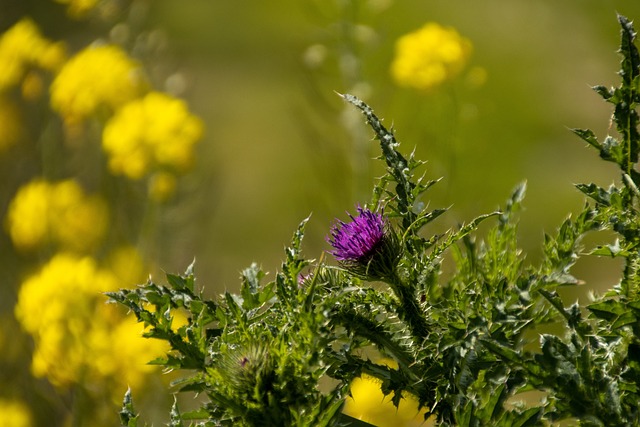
column 178, row 282
column 463, row 417
column 501, row 350
column 197, row 414
column 184, row 283
column 399, row 167
column 605, row 93
column 128, row 416
column 631, row 58
column 234, row 304
column 608, row 309
column 175, row 418
column 494, row 403
column 616, row 312
column 589, row 137
column 454, row 236
column 250, row 288
column 528, row 418
column 600, row 195
column 517, row 197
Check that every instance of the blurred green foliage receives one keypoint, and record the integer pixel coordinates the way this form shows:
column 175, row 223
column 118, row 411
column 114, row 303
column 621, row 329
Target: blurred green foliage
column 246, row 76
column 253, row 88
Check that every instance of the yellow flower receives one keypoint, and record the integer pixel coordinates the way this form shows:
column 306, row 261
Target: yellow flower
column 95, row 78
column 77, row 221
column 14, row 413
column 78, row 338
column 127, row 265
column 43, row 212
column 369, row 404
column 127, row 363
column 78, row 8
column 156, row 131
column 58, row 305
column 429, row 56
column 22, row 47
column 27, row 215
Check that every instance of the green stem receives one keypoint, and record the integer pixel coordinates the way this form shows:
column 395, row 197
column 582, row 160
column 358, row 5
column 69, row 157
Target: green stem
column 410, row 312
column 376, row 334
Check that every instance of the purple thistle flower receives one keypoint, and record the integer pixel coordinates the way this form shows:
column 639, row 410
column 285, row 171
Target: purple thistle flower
column 366, row 246
column 358, row 240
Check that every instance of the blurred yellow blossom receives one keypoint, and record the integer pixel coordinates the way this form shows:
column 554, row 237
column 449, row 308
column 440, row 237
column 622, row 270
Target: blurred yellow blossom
column 127, row 265
column 14, row 413
column 369, row 404
column 43, row 212
column 21, row 47
column 99, row 76
column 57, row 306
column 127, row 363
column 429, row 56
column 156, row 131
column 63, row 307
column 26, row 218
column 11, row 129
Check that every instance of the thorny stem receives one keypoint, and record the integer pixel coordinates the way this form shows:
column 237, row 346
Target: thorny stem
column 410, row 307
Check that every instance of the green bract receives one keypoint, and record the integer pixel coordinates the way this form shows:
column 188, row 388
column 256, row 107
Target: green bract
column 462, row 342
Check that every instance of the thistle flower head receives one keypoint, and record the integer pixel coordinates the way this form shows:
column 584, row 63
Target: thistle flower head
column 358, row 239
column 242, row 368
column 366, row 245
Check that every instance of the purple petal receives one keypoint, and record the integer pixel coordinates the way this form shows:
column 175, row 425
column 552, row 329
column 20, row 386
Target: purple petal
column 359, row 238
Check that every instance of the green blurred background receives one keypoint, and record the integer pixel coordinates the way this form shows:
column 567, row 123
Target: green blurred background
column 278, row 146
column 281, row 145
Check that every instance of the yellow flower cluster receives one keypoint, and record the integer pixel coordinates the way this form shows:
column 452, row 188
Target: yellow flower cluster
column 23, row 51
column 146, row 134
column 78, row 338
column 98, row 77
column 150, row 133
column 23, row 47
column 429, row 56
column 369, row 404
column 14, row 413
column 59, row 213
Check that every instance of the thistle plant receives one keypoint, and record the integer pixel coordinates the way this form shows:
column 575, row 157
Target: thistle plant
column 461, row 341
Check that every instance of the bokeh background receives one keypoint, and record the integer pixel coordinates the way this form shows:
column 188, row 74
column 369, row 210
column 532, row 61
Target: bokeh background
column 278, row 144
